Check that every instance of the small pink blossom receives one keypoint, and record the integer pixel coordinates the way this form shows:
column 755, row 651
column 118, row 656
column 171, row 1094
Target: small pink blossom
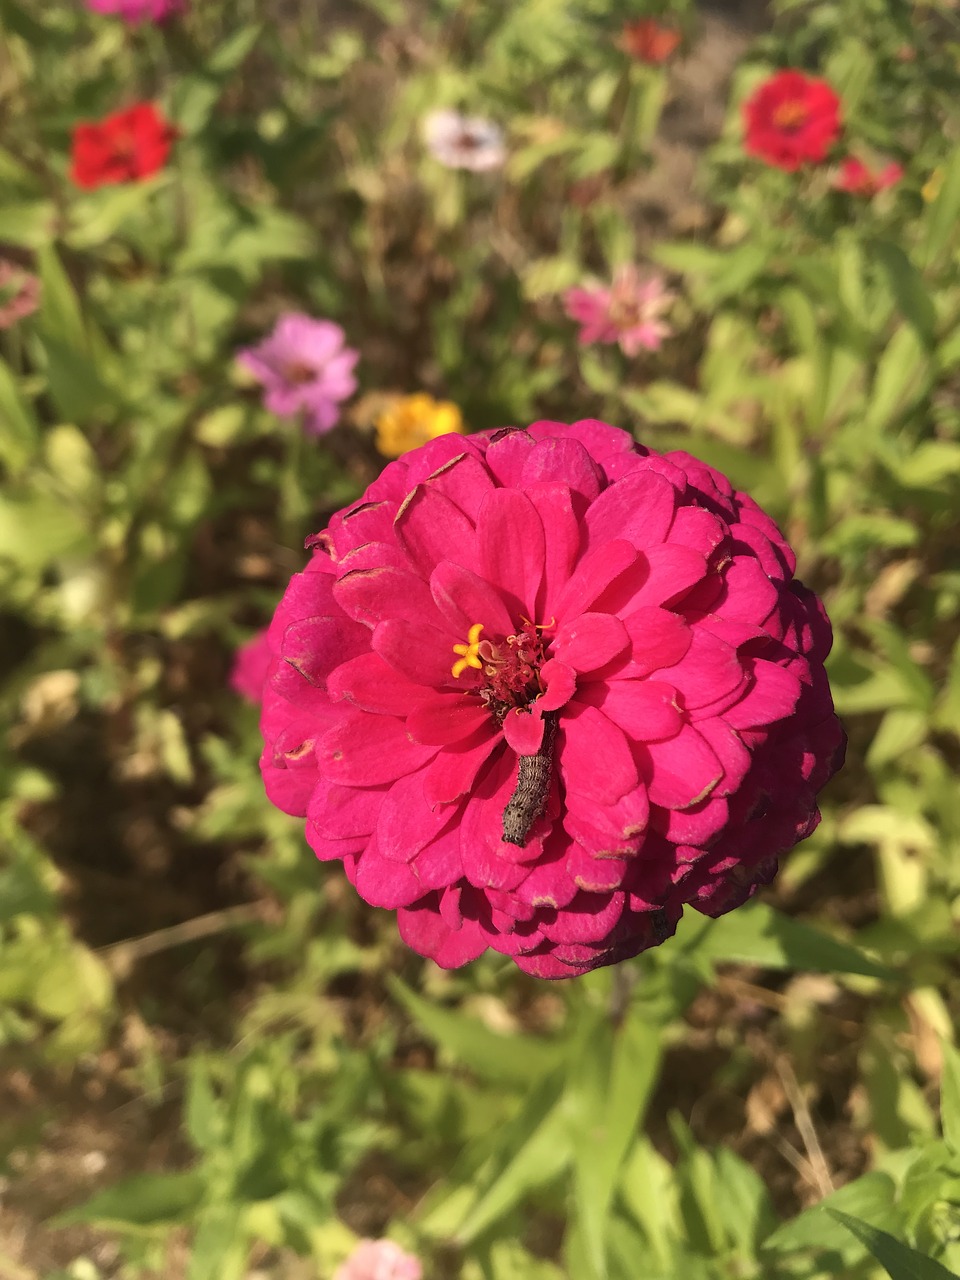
column 305, row 368
column 464, row 142
column 19, row 293
column 379, row 1260
column 858, row 179
column 629, row 311
column 538, row 690
column 137, row 11
column 252, row 664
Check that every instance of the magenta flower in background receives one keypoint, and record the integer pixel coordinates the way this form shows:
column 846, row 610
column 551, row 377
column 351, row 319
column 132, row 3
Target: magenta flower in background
column 252, row 663
column 464, row 142
column 539, row 689
column 379, row 1260
column 629, row 311
column 857, row 179
column 136, row 11
column 19, row 293
column 305, row 368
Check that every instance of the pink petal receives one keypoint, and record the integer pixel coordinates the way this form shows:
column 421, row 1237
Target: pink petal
column 729, row 750
column 638, row 508
column 446, row 718
column 594, row 875
column 749, row 594
column 384, row 883
column 371, row 595
column 510, row 545
column 464, row 599
column 698, row 529
column 561, row 531
column 439, row 863
column 421, row 653
column 523, row 731
column 709, row 673
column 660, row 639
column 406, row 822
column 595, row 757
column 564, row 461
column 373, row 685
column 364, row 750
column 589, row 918
column 422, row 929
column 452, row 773
column 595, row 571
column 774, row 695
column 341, row 812
column 645, row 709
column 507, row 454
column 464, row 480
column 431, row 528
column 680, row 771
column 560, row 683
column 589, row 641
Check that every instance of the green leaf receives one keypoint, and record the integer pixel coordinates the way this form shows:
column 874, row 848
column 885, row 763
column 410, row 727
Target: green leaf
column 758, row 934
column 609, row 1092
column 908, row 287
column 507, row 1058
column 19, row 430
column 942, row 215
column 898, row 1260
column 535, row 1149
column 147, row 1199
column 902, row 372
column 950, row 1096
column 871, row 1195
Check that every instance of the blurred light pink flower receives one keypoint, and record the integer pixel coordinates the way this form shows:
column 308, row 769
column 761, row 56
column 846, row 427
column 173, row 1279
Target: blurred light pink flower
column 19, row 293
column 252, row 663
column 629, row 311
column 537, row 690
column 136, row 11
column 464, row 142
column 305, row 368
column 379, row 1260
column 858, row 179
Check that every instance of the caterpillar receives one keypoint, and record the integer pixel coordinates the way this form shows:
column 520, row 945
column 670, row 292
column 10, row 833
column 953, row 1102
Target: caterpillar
column 529, row 799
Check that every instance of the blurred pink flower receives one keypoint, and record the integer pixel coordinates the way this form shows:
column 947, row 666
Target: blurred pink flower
column 379, row 1260
column 19, row 293
column 305, row 368
column 629, row 311
column 252, row 663
column 858, row 179
column 135, row 11
column 464, row 142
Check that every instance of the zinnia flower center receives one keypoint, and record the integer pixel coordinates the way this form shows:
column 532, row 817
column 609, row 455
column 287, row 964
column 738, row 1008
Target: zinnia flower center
column 298, row 372
column 790, row 115
column 509, row 668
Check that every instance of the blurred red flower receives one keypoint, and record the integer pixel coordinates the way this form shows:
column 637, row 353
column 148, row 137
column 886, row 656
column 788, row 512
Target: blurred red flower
column 127, row 146
column 858, row 180
column 647, row 41
column 791, row 119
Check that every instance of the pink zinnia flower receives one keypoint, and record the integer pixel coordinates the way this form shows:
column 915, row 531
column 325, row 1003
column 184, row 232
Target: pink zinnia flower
column 539, row 689
column 305, row 368
column 252, row 663
column 19, row 293
column 379, row 1260
column 628, row 312
column 859, row 180
column 136, row 11
column 464, row 142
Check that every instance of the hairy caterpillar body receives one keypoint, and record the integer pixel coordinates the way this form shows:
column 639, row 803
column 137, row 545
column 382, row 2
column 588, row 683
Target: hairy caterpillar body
column 529, row 798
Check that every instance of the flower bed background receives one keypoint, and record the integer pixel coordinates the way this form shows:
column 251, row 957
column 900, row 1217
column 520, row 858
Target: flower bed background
column 217, row 1061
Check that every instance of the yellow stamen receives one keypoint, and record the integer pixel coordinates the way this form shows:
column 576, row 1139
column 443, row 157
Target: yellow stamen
column 469, row 652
